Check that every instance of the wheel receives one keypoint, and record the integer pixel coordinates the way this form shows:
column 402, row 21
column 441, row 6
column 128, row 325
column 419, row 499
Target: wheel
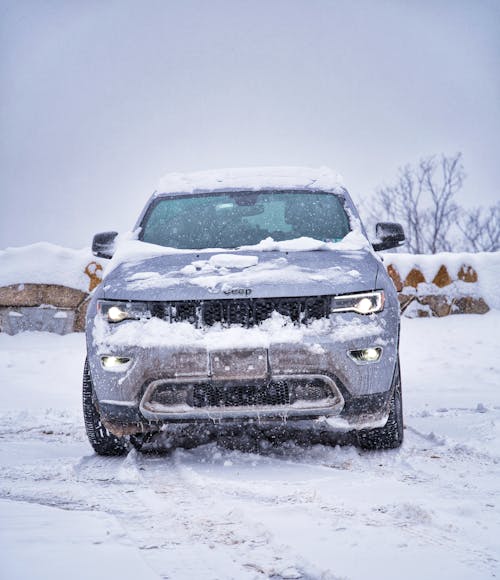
column 102, row 441
column 391, row 434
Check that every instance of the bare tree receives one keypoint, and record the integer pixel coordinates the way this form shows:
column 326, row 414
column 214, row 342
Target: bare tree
column 423, row 200
column 481, row 228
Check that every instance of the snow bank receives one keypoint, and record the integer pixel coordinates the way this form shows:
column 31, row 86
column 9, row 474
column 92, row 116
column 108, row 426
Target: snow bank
column 45, row 263
column 254, row 178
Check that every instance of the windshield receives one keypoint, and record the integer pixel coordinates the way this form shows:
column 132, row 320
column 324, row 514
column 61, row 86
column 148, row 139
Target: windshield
column 231, row 220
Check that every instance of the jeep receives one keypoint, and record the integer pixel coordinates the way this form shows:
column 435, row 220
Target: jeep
column 244, row 303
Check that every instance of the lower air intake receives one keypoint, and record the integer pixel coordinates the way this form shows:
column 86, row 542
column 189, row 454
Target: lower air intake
column 208, row 395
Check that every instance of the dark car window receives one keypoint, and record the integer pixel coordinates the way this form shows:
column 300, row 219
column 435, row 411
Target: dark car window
column 231, row 220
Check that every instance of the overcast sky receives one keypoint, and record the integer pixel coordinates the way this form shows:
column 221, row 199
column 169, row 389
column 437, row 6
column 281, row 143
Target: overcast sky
column 99, row 98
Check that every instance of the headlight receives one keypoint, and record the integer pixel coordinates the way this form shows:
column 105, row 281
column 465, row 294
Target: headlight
column 118, row 311
column 365, row 303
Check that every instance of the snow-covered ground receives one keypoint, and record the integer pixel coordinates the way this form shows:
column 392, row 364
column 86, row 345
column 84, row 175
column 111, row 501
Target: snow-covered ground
column 428, row 510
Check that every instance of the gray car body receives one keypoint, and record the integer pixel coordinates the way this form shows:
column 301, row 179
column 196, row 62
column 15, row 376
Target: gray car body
column 361, row 391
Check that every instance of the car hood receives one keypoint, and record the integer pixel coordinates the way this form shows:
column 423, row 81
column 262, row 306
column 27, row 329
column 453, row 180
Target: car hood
column 242, row 274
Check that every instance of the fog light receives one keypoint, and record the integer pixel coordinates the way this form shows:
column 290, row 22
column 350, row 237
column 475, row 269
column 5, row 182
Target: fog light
column 366, row 355
column 112, row 362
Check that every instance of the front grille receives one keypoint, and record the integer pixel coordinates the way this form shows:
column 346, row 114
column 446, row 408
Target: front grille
column 245, row 312
column 209, row 395
column 282, row 393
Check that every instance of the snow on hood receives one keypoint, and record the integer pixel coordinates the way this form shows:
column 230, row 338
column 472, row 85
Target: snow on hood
column 253, row 178
column 302, row 267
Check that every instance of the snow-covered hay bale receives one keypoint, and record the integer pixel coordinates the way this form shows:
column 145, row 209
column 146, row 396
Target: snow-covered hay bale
column 45, row 263
column 446, row 283
column 45, row 287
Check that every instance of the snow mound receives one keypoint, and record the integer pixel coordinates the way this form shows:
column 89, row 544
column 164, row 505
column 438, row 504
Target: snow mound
column 45, row 263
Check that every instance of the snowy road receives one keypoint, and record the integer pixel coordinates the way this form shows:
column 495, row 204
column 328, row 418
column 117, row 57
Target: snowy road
column 428, row 510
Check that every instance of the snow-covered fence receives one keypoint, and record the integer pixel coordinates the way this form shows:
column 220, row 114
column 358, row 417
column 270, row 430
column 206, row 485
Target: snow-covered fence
column 46, row 287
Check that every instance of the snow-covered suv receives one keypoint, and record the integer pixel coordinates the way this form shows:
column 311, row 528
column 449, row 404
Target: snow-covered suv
column 244, row 301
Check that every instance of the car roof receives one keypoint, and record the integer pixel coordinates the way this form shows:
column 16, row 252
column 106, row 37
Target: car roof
column 250, row 179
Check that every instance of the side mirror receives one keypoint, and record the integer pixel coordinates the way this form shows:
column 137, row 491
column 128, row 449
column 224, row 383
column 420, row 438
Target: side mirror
column 389, row 235
column 103, row 244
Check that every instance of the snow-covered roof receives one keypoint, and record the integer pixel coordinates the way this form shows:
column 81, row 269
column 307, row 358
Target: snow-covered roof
column 252, row 178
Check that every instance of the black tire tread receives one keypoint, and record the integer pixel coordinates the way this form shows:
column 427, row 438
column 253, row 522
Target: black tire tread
column 391, row 435
column 103, row 442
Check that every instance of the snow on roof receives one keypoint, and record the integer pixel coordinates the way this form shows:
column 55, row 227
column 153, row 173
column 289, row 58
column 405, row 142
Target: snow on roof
column 253, row 178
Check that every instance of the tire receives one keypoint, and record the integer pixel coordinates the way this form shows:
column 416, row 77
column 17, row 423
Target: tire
column 391, row 435
column 102, row 441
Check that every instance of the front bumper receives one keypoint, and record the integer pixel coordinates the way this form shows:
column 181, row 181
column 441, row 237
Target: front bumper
column 357, row 413
column 356, row 396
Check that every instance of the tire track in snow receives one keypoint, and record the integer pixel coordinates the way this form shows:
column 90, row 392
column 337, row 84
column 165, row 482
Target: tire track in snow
column 207, row 518
column 170, row 512
column 176, row 525
column 158, row 523
column 421, row 454
column 415, row 520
